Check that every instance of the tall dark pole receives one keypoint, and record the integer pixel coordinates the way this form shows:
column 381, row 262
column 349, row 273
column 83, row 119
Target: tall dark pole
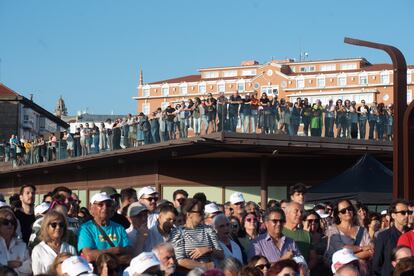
column 400, row 105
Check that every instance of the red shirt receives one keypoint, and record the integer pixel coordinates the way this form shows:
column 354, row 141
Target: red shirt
column 407, row 239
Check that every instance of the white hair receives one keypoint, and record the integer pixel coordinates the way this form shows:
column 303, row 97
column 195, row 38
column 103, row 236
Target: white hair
column 217, row 218
column 165, row 245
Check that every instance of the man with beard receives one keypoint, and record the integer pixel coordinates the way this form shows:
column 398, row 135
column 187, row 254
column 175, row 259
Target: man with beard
column 168, row 262
column 25, row 215
column 148, row 197
column 387, row 240
column 160, row 232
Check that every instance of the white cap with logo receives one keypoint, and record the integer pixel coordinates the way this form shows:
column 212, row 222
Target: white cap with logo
column 236, row 198
column 146, row 191
column 141, row 263
column 100, row 197
column 342, row 257
column 76, row 265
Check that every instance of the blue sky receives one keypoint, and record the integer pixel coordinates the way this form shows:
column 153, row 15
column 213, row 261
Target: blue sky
column 90, row 51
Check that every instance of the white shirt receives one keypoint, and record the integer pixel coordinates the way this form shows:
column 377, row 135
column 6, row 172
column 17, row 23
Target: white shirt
column 235, row 250
column 16, row 251
column 152, row 219
column 43, row 256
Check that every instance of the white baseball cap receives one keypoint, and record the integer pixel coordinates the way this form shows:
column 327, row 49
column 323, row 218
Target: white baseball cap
column 100, row 197
column 322, row 213
column 146, row 191
column 76, row 265
column 236, row 198
column 141, row 263
column 211, row 208
column 342, row 257
column 41, row 208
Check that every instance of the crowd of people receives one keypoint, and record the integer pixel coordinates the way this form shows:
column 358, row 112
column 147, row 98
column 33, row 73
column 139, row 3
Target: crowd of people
column 137, row 233
column 267, row 114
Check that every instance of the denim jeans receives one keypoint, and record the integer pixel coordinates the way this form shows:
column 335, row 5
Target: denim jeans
column 233, row 122
column 306, row 122
column 362, row 128
column 329, row 123
column 197, row 125
column 372, row 126
column 253, row 120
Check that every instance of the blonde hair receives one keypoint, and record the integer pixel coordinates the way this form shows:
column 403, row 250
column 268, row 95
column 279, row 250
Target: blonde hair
column 48, row 218
column 4, row 213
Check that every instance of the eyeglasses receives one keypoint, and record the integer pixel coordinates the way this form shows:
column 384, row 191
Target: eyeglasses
column 55, row 224
column 239, row 203
column 404, row 212
column 151, row 199
column 312, row 220
column 181, row 200
column 262, row 266
column 349, row 209
column 276, row 221
column 234, row 226
column 7, row 222
column 251, row 219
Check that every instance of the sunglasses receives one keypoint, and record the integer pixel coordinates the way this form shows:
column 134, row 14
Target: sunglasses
column 251, row 219
column 181, row 200
column 312, row 220
column 404, row 213
column 7, row 222
column 234, row 226
column 276, row 221
column 239, row 203
column 262, row 266
column 55, row 224
column 349, row 209
column 151, row 199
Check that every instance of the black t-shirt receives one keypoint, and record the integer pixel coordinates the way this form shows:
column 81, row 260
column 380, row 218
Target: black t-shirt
column 234, row 107
column 26, row 222
column 170, row 110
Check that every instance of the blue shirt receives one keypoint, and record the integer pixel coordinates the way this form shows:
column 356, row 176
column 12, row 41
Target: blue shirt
column 263, row 245
column 90, row 237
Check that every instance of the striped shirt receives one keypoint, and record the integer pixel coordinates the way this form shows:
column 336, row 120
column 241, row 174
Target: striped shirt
column 185, row 240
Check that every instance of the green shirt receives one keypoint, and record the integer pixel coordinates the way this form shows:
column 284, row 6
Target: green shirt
column 302, row 240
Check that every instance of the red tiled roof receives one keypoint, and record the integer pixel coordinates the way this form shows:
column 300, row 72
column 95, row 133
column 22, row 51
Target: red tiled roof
column 189, row 78
column 6, row 92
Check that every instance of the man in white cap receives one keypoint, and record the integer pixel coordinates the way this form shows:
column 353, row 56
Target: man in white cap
column 137, row 215
column 210, row 211
column 148, row 197
column 76, row 265
column 146, row 262
column 237, row 204
column 343, row 257
column 101, row 235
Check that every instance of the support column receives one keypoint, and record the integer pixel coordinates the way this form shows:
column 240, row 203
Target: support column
column 264, row 163
column 409, row 156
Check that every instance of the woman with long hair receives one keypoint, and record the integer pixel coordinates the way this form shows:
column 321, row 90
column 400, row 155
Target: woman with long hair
column 53, row 241
column 340, row 119
column 346, row 233
column 259, row 262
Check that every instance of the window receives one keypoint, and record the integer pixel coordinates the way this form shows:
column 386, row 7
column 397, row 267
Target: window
column 385, row 77
column 328, row 67
column 183, row 89
column 210, row 75
column 409, row 96
column 146, row 108
column 25, row 117
column 165, row 90
column 309, row 68
column 409, row 78
column 270, row 90
column 202, row 89
column 348, row 66
column 342, row 80
column 250, row 72
column 300, row 82
column 230, row 73
column 320, row 81
column 241, row 85
column 363, row 79
column 221, row 86
column 146, row 91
